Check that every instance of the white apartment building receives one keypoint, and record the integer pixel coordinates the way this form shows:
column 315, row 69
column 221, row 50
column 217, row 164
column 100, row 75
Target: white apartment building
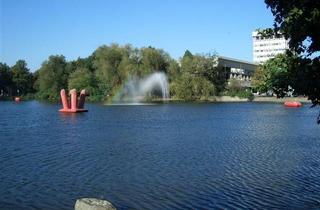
column 266, row 48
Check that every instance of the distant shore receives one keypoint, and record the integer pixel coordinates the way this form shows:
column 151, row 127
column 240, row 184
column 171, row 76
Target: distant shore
column 281, row 100
column 225, row 99
column 262, row 99
column 218, row 99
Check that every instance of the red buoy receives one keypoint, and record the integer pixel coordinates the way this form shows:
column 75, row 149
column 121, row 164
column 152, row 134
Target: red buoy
column 292, row 104
column 17, row 99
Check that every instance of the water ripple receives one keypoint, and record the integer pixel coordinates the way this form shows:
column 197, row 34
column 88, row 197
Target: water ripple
column 171, row 156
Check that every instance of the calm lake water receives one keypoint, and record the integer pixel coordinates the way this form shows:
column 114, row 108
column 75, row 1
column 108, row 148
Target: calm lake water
column 171, row 156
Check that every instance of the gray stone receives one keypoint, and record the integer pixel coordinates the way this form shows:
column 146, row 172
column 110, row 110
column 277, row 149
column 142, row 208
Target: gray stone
column 93, row 204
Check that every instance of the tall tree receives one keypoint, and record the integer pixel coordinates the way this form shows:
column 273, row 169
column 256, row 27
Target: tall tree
column 154, row 59
column 6, row 83
column 83, row 78
column 52, row 77
column 107, row 60
column 299, row 21
column 274, row 74
column 206, row 66
column 21, row 78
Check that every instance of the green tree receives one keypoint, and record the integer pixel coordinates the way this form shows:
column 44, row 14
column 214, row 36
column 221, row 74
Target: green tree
column 83, row 78
column 52, row 77
column 274, row 75
column 299, row 21
column 153, row 59
column 205, row 66
column 234, row 85
column 6, row 83
column 187, row 54
column 107, row 61
column 191, row 87
column 21, row 78
column 259, row 80
column 174, row 70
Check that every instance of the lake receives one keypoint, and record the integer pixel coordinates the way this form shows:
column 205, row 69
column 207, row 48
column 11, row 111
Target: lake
column 164, row 156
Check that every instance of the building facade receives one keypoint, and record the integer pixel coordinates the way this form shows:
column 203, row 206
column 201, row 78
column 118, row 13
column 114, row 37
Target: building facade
column 266, row 48
column 237, row 69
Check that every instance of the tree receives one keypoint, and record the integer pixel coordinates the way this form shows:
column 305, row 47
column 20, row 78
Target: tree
column 206, row 66
column 107, row 61
column 174, row 70
column 52, row 77
column 21, row 78
column 274, row 75
column 198, row 78
column 259, row 80
column 6, row 83
column 191, row 87
column 83, row 78
column 153, row 59
column 234, row 85
column 187, row 54
column 299, row 21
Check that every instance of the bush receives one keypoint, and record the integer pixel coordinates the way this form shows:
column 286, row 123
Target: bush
column 189, row 87
column 241, row 94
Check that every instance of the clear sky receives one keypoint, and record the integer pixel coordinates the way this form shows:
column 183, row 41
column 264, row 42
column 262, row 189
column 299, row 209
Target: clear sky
column 35, row 29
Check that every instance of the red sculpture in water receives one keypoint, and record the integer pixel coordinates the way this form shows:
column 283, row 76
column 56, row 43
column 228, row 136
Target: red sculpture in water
column 73, row 106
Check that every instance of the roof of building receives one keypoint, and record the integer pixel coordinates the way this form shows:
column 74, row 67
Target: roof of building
column 237, row 60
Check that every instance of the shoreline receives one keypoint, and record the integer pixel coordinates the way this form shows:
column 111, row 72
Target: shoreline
column 213, row 99
column 229, row 99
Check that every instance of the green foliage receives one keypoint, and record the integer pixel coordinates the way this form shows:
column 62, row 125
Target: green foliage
column 206, row 66
column 187, row 54
column 52, row 77
column 241, row 94
column 275, row 75
column 174, row 70
column 190, row 87
column 203, row 68
column 235, row 89
column 6, row 83
column 154, row 60
column 234, row 85
column 196, row 77
column 259, row 80
column 106, row 62
column 82, row 78
column 299, row 21
column 115, row 64
column 21, row 78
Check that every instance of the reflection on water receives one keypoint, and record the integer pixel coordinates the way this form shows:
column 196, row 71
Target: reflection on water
column 131, row 104
column 170, row 156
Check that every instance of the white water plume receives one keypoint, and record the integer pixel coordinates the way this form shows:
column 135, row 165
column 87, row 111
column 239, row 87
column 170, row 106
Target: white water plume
column 136, row 90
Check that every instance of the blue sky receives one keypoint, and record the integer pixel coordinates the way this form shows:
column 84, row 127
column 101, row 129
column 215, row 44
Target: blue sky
column 34, row 29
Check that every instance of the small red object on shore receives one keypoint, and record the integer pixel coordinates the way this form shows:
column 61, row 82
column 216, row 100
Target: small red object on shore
column 293, row 104
column 17, row 99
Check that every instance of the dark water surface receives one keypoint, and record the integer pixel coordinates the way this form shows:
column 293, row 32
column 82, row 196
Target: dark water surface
column 173, row 156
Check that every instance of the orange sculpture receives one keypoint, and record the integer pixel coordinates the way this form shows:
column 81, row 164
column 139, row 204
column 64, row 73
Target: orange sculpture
column 74, row 106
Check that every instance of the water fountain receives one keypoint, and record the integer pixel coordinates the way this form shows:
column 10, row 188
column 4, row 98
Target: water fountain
column 136, row 90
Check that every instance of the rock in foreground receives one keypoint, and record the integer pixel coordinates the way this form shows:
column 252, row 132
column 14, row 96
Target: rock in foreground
column 93, row 204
